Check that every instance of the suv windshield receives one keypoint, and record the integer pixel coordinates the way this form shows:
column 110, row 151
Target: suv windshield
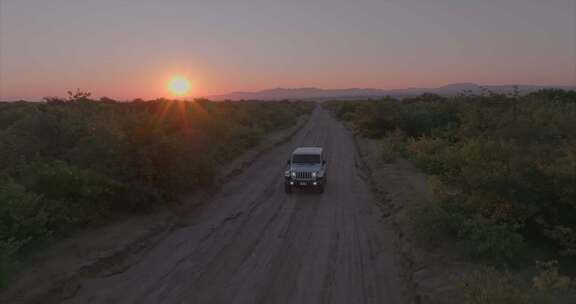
column 305, row 159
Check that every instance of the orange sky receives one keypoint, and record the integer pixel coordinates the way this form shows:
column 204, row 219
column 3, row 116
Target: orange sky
column 130, row 49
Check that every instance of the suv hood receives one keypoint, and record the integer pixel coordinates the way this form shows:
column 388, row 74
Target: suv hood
column 306, row 168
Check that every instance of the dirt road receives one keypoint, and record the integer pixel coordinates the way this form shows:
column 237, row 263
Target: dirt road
column 256, row 244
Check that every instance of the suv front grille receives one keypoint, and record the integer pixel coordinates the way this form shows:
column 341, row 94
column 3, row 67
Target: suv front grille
column 304, row 175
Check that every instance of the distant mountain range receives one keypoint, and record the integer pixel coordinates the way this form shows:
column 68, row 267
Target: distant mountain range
column 322, row 94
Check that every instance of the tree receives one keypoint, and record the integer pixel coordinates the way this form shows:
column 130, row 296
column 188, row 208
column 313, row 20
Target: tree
column 78, row 95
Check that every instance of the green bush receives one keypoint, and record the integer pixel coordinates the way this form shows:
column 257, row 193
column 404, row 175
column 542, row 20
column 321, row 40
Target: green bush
column 387, row 151
column 492, row 241
column 428, row 154
column 490, row 286
column 9, row 249
column 23, row 215
column 429, row 222
column 244, row 137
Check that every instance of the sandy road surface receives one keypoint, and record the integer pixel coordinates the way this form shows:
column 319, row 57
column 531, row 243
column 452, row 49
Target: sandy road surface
column 256, row 244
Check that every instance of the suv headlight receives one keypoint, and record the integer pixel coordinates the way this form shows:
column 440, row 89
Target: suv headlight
column 314, row 174
column 293, row 174
column 287, row 173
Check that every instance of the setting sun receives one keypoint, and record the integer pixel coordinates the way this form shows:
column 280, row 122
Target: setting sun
column 179, row 86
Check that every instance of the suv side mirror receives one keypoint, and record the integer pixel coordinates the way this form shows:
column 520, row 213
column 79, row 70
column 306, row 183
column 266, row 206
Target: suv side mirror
column 323, row 161
column 288, row 162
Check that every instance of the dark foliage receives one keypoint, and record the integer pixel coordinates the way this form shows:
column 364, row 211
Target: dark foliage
column 503, row 167
column 68, row 163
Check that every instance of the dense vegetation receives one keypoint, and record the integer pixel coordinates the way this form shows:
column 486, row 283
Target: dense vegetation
column 69, row 163
column 503, row 168
column 503, row 172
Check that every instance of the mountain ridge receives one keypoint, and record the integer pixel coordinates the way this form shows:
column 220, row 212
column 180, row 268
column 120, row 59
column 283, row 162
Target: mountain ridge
column 311, row 93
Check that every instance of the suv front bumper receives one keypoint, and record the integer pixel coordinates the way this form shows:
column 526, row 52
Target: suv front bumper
column 304, row 183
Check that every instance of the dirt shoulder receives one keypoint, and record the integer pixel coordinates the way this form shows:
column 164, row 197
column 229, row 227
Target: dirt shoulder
column 52, row 275
column 431, row 273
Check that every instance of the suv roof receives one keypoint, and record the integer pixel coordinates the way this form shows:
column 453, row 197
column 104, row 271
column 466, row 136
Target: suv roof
column 308, row 150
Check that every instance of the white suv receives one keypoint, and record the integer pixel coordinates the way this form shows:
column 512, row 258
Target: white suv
column 306, row 168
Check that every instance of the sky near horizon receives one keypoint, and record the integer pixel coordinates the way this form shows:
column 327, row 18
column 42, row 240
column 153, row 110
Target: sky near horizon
column 129, row 49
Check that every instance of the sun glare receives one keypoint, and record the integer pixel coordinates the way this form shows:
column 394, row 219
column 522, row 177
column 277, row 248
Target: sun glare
column 179, row 86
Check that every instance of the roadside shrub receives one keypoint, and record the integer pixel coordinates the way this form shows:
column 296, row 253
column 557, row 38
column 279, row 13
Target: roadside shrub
column 376, row 119
column 392, row 145
column 8, row 259
column 245, row 137
column 429, row 222
column 23, row 216
column 22, row 219
column 428, row 153
column 345, row 110
column 70, row 196
column 488, row 285
column 387, row 151
column 555, row 95
column 549, row 277
column 566, row 238
column 495, row 242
